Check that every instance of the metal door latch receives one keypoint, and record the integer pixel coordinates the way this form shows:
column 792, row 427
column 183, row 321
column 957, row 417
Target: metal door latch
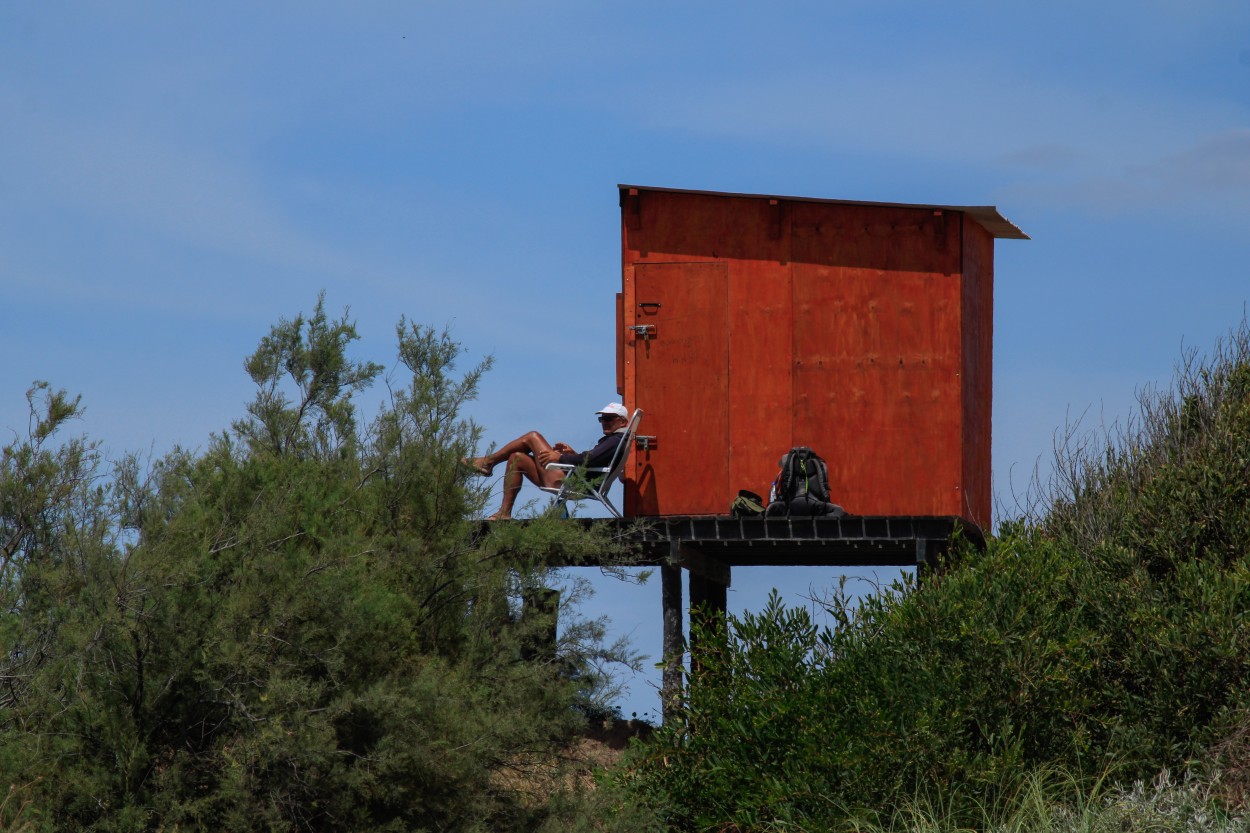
column 646, row 332
column 644, row 442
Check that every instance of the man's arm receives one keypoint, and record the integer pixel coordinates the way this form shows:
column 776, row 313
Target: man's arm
column 598, row 457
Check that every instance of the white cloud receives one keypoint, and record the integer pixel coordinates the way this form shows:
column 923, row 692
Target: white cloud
column 1216, row 164
column 1210, row 175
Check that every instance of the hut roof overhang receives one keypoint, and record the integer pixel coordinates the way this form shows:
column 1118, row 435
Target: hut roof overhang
column 985, row 215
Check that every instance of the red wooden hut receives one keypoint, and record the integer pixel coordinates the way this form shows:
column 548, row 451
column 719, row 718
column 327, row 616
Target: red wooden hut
column 749, row 324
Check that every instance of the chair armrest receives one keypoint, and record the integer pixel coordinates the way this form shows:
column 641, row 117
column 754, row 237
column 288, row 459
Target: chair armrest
column 569, row 468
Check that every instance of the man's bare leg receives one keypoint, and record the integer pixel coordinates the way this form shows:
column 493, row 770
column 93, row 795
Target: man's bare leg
column 521, row 467
column 530, row 443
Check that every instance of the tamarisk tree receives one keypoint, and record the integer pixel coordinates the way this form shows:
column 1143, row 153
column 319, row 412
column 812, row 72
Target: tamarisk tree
column 300, row 627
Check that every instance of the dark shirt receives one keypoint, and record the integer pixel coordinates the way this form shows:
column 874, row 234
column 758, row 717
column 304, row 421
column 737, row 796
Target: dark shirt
column 599, row 457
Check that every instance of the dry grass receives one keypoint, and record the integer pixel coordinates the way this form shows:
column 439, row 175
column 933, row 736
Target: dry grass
column 536, row 778
column 1230, row 760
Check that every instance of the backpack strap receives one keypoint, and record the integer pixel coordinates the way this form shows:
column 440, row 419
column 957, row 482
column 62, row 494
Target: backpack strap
column 803, row 455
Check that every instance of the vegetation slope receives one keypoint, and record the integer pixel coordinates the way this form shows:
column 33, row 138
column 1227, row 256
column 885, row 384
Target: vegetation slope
column 298, row 628
column 301, row 628
column 1102, row 637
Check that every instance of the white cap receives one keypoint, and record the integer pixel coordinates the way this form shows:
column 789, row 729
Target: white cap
column 615, row 409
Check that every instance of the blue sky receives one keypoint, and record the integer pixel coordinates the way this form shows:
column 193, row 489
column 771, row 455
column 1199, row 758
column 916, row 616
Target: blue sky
column 177, row 177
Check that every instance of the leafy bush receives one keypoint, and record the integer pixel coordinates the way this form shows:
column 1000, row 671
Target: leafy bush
column 300, row 628
column 1171, row 483
column 1105, row 637
column 1029, row 655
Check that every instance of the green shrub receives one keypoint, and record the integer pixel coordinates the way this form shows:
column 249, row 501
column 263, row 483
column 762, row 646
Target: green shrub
column 1105, row 637
column 1029, row 656
column 1173, row 482
column 300, row 628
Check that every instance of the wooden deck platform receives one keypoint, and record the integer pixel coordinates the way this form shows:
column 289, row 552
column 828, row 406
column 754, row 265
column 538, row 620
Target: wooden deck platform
column 711, row 545
column 708, row 547
column 810, row 542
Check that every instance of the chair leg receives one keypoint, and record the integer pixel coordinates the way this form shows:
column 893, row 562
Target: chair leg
column 562, row 502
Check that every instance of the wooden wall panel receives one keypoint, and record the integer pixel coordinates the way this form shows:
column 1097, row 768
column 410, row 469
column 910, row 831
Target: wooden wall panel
column 630, row 394
column 875, row 237
column 682, row 383
column 620, row 343
column 978, row 358
column 876, row 386
column 851, row 328
column 877, row 357
column 749, row 239
column 675, row 227
column 761, row 381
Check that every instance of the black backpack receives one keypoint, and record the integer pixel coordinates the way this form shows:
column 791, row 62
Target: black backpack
column 802, row 486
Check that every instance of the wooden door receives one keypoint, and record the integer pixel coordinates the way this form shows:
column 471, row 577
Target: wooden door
column 679, row 341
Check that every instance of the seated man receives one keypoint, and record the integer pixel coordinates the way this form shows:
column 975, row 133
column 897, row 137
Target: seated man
column 528, row 456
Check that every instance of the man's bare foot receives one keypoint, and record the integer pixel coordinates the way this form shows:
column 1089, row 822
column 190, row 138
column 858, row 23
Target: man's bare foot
column 500, row 516
column 478, row 465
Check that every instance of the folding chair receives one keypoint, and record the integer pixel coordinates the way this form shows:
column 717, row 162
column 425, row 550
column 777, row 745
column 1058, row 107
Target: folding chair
column 593, row 483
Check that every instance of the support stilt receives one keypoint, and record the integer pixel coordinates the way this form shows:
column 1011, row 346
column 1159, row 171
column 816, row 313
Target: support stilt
column 670, row 593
